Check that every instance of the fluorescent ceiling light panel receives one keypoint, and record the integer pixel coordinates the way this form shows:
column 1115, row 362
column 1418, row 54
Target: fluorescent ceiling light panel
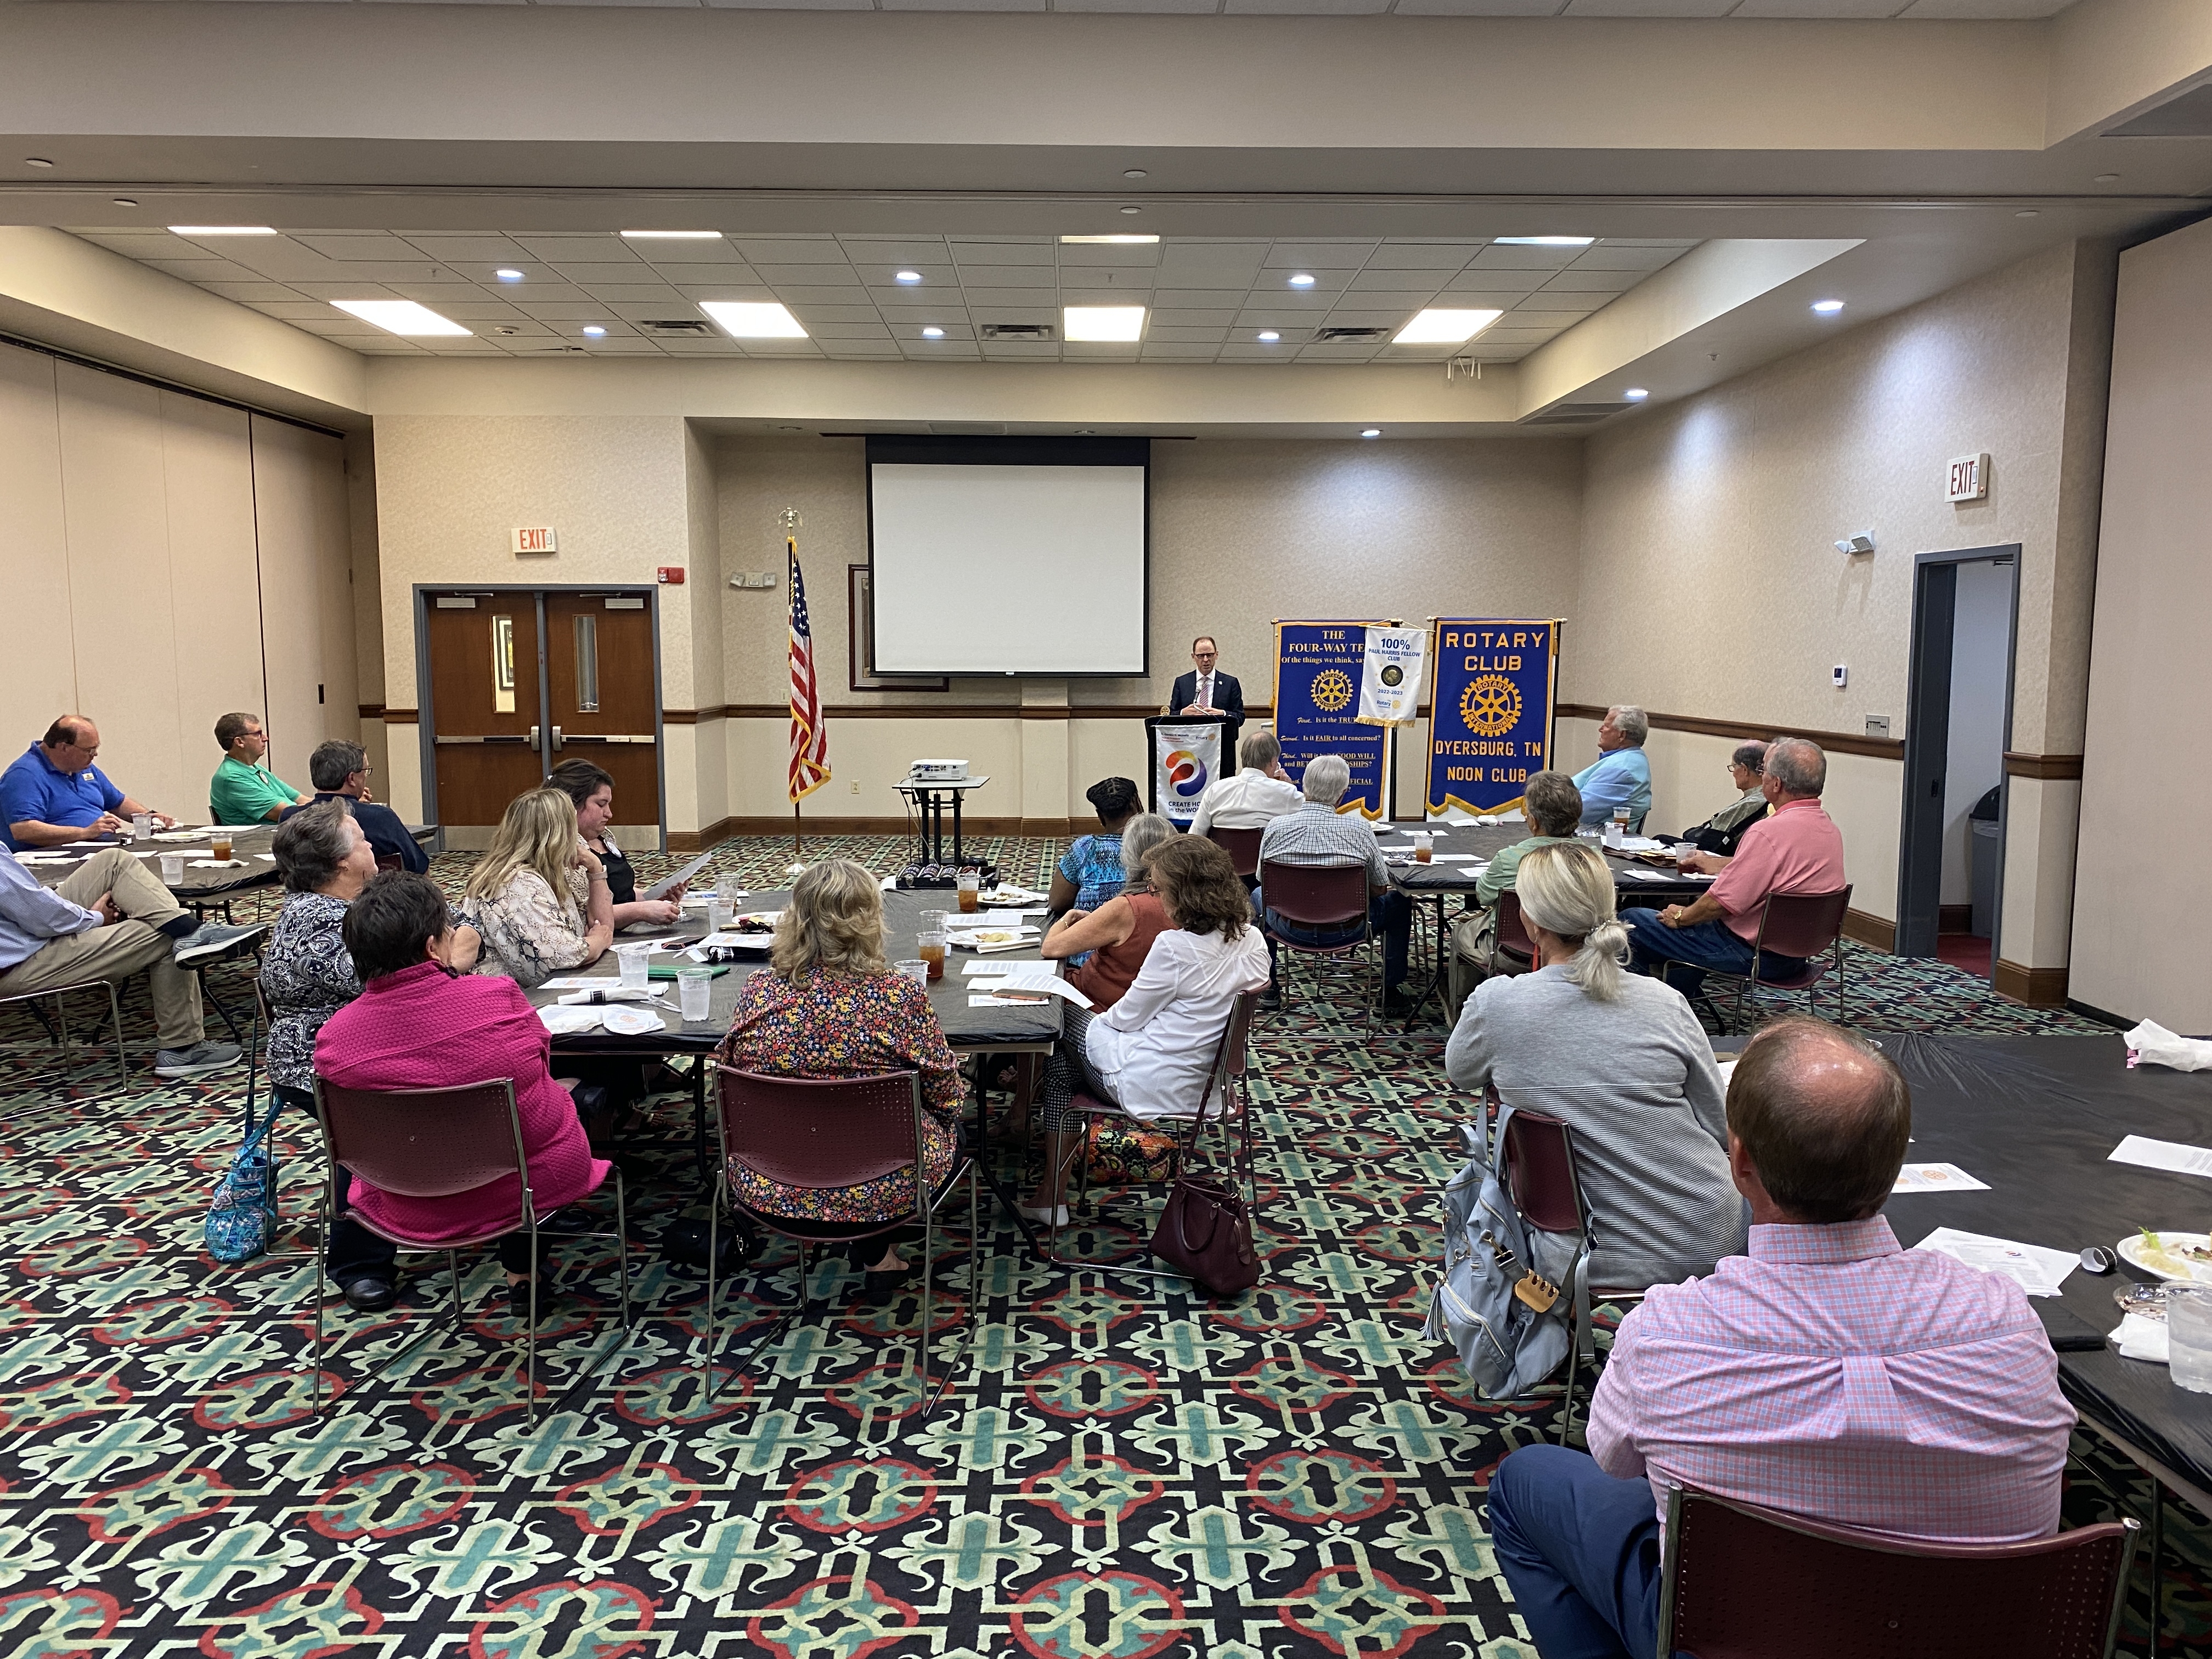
column 1110, row 239
column 754, row 320
column 1827, row 308
column 400, row 317
column 674, row 235
column 221, row 230
column 1545, row 242
column 1440, row 327
column 1103, row 322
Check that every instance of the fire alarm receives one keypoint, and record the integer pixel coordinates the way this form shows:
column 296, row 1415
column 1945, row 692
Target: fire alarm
column 672, row 575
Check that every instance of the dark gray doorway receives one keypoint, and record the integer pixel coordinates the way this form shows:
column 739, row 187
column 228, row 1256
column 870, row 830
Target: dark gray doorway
column 1950, row 873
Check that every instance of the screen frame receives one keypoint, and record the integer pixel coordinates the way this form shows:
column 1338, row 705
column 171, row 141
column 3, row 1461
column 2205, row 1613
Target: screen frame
column 900, row 449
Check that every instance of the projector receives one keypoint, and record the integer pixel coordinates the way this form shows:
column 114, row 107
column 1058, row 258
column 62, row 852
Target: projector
column 939, row 771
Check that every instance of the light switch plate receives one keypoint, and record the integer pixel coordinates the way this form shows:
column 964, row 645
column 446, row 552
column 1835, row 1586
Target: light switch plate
column 1877, row 725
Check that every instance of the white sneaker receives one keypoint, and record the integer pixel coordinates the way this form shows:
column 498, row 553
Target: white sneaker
column 1046, row 1215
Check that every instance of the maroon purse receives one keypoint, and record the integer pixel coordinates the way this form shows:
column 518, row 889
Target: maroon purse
column 1206, row 1234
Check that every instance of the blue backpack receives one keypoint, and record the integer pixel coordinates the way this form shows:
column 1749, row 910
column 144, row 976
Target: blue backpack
column 1507, row 1343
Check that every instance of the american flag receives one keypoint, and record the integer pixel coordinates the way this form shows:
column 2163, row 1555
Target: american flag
column 810, row 741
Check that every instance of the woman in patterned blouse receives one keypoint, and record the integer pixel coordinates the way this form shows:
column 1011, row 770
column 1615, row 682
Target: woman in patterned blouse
column 830, row 1005
column 1090, row 871
column 519, row 896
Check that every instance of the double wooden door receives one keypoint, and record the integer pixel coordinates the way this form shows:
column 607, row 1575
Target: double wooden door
column 522, row 679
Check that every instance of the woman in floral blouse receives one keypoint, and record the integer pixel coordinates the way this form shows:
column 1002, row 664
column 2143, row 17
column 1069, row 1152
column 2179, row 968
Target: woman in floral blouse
column 518, row 895
column 830, row 1005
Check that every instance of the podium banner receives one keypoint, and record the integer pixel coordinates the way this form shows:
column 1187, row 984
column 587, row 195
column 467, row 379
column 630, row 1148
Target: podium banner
column 1492, row 725
column 1318, row 668
column 1186, row 758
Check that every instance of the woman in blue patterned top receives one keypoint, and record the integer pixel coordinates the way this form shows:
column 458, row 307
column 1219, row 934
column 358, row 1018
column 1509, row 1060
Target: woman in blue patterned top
column 1090, row 871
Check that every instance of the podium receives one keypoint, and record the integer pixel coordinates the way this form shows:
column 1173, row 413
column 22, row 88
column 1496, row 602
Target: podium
column 1183, row 754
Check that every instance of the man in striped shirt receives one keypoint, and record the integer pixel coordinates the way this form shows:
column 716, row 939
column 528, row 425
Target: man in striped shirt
column 1828, row 1374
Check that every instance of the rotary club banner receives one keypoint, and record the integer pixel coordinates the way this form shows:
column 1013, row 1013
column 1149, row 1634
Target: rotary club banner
column 1318, row 668
column 1390, row 676
column 1492, row 725
column 1186, row 758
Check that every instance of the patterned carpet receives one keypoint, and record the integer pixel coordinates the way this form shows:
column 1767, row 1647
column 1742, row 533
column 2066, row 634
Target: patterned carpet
column 1121, row 1469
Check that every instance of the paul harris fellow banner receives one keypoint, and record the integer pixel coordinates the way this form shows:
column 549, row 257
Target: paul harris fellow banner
column 1318, row 667
column 1492, row 721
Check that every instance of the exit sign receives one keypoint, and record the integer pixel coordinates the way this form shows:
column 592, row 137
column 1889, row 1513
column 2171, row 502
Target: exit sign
column 1968, row 479
column 534, row 541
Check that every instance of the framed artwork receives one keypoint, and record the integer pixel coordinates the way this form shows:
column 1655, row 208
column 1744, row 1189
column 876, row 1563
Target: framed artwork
column 860, row 635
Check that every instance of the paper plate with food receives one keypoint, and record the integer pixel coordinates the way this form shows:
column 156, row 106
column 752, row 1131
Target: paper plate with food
column 2170, row 1255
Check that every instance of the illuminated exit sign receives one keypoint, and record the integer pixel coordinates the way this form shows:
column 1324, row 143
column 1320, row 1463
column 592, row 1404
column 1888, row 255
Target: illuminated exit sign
column 534, row 541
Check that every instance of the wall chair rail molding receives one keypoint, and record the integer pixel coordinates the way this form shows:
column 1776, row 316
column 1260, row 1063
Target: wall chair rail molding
column 2048, row 766
column 1836, row 743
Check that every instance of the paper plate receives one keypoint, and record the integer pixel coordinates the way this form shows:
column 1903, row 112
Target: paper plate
column 630, row 1022
column 568, row 1022
column 2136, row 1253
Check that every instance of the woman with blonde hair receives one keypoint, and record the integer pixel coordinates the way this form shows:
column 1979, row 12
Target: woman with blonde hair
column 1108, row 944
column 828, row 1007
column 1621, row 1058
column 538, row 896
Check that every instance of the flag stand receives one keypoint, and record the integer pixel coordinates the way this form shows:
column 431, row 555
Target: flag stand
column 798, row 850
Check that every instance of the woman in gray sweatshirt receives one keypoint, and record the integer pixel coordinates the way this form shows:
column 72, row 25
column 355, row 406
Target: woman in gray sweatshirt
column 1623, row 1060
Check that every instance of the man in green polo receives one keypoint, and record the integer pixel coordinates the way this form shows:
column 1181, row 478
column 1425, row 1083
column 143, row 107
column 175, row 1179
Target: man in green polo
column 243, row 791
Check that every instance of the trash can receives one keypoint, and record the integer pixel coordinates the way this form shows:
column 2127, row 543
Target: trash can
column 1982, row 863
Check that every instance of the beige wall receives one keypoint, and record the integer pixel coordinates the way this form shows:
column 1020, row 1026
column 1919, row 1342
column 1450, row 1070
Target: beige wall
column 183, row 559
column 1710, row 588
column 2137, row 950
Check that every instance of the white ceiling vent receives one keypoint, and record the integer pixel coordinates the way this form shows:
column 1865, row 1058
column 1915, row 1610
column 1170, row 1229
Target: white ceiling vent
column 1350, row 333
column 676, row 325
column 1014, row 330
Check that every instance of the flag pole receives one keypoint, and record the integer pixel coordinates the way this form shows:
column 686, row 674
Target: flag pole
column 791, row 563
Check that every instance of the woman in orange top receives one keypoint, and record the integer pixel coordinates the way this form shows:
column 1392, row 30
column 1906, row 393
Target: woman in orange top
column 1110, row 944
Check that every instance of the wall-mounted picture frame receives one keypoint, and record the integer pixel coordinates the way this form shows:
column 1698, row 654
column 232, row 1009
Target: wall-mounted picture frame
column 860, row 637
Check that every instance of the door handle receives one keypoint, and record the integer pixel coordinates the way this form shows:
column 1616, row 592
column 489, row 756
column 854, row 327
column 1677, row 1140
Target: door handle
column 534, row 737
column 609, row 737
column 557, row 737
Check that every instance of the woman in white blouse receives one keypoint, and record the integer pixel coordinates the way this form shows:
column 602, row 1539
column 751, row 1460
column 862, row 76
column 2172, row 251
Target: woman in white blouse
column 1151, row 1052
column 520, row 897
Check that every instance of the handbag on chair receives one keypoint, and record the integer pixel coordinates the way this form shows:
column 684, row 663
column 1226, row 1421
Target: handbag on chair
column 1206, row 1235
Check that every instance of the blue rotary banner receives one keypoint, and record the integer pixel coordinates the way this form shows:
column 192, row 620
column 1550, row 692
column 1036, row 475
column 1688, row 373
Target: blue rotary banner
column 1317, row 669
column 1491, row 724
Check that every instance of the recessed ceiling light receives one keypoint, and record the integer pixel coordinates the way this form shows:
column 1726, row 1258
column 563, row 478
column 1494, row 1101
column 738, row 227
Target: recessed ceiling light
column 1636, row 394
column 1132, row 209
column 906, row 276
column 1302, row 279
column 221, row 230
column 1372, row 432
column 932, row 333
column 2106, row 178
column 1133, row 173
column 507, row 328
column 1268, row 337
column 594, row 330
column 1129, row 239
column 1827, row 308
column 674, row 235
column 36, row 161
column 400, row 316
column 754, row 320
column 505, row 275
column 1103, row 322
column 1544, row 241
column 125, row 201
column 1435, row 326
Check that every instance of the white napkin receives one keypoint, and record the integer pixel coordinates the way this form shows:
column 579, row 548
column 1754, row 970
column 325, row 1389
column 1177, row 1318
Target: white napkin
column 2152, row 1041
column 217, row 864
column 609, row 992
column 2141, row 1339
column 568, row 1022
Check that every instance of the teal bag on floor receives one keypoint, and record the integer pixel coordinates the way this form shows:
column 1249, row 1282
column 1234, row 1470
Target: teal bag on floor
column 243, row 1215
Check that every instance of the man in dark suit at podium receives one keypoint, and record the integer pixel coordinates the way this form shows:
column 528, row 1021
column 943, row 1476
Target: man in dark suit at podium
column 1204, row 692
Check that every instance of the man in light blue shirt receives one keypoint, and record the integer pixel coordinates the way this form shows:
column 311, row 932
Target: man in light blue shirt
column 1620, row 776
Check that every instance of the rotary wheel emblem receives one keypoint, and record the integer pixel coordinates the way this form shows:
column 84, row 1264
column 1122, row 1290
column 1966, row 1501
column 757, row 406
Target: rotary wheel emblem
column 1491, row 705
column 1331, row 690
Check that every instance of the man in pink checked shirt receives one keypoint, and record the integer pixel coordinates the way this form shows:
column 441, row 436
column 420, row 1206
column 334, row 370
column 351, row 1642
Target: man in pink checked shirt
column 1828, row 1373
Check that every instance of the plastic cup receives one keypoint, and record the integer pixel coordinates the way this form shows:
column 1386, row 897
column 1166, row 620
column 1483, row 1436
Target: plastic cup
column 719, row 912
column 729, row 890
column 932, row 947
column 694, row 988
column 173, row 867
column 933, row 921
column 636, row 970
column 1425, row 846
column 141, row 826
column 971, row 891
column 917, row 970
column 222, row 848
column 2189, row 1337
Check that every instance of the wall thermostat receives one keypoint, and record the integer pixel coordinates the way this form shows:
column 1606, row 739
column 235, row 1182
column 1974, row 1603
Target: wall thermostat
column 1840, row 675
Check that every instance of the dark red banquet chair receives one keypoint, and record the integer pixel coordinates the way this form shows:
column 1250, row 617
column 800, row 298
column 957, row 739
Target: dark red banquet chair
column 1806, row 926
column 1743, row 1581
column 1243, row 847
column 1323, row 898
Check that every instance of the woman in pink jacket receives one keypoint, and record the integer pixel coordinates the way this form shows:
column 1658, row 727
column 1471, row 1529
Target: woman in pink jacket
column 417, row 1026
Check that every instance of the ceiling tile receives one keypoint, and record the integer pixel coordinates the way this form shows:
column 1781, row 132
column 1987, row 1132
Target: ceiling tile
column 1478, row 7
column 1319, row 256
column 468, row 250
column 788, row 250
column 1593, row 282
column 981, row 300
column 376, row 246
column 586, row 248
column 206, row 271
column 1159, row 352
column 755, row 291
column 342, row 290
column 1036, row 252
column 1490, row 280
column 796, row 295
column 611, row 292
column 981, row 276
column 687, row 255
column 1648, row 8
column 1985, row 8
column 1441, row 257
column 1499, row 256
column 1196, row 316
column 812, row 314
column 1307, row 8
column 1170, row 332
column 1608, row 256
